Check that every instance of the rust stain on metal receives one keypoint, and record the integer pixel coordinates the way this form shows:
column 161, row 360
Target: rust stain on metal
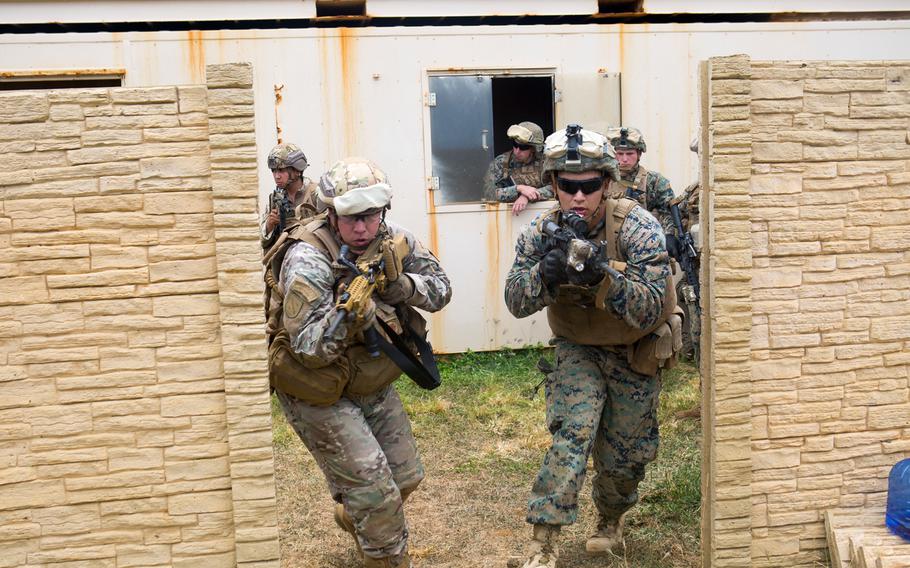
column 278, row 99
column 491, row 295
column 196, row 56
column 347, row 37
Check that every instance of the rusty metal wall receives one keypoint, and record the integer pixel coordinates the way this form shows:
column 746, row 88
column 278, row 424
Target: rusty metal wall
column 361, row 91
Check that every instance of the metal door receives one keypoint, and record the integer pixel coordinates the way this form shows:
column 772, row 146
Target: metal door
column 461, row 131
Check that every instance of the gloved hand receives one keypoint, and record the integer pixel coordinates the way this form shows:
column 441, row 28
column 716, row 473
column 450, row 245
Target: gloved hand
column 587, row 277
column 366, row 318
column 552, row 269
column 674, row 246
column 401, row 290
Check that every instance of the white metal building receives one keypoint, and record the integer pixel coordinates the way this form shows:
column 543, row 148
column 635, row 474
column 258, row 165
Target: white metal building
column 428, row 88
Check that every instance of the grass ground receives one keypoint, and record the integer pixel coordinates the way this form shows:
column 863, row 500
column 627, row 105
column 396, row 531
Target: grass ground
column 482, row 437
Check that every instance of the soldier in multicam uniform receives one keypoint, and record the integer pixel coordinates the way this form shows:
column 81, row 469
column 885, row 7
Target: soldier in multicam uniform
column 293, row 192
column 601, row 399
column 340, row 400
column 649, row 188
column 515, row 176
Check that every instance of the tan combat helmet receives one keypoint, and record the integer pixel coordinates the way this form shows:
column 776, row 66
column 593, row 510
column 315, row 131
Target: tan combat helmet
column 578, row 150
column 354, row 185
column 527, row 133
column 627, row 137
column 287, row 156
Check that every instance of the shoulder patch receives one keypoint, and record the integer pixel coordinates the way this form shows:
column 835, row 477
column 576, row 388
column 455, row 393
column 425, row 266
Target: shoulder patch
column 301, row 294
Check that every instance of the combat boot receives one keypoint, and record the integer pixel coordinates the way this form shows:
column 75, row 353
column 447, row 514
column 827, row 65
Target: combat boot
column 402, row 561
column 343, row 520
column 608, row 535
column 544, row 550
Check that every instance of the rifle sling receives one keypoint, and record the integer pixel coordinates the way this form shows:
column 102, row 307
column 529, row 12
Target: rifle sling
column 422, row 371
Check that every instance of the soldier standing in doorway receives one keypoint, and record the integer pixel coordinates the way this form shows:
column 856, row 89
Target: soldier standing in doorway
column 515, row 176
column 600, row 268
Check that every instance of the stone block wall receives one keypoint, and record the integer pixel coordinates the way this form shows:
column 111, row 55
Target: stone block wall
column 134, row 414
column 808, row 311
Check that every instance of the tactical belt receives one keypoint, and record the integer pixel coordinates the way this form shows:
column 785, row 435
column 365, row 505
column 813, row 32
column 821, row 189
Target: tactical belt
column 422, row 371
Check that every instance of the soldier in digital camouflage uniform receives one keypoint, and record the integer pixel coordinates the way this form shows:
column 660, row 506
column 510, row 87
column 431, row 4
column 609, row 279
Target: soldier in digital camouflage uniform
column 359, row 434
column 649, row 188
column 596, row 404
column 515, row 176
column 293, row 192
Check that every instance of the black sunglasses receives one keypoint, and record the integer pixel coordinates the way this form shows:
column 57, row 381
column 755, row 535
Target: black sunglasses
column 518, row 146
column 573, row 186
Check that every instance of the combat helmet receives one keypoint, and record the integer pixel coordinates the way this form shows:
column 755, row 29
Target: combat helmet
column 578, row 150
column 627, row 137
column 527, row 133
column 287, row 156
column 354, row 185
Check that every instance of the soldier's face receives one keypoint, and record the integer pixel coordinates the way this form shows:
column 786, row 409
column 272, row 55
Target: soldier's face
column 522, row 152
column 358, row 231
column 627, row 158
column 282, row 176
column 582, row 193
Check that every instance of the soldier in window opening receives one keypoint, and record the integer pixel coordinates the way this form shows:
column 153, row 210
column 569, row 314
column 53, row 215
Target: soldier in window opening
column 615, row 326
column 649, row 188
column 337, row 396
column 293, row 195
column 515, row 176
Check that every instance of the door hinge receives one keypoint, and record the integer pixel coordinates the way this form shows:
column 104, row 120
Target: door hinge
column 431, row 99
column 434, row 183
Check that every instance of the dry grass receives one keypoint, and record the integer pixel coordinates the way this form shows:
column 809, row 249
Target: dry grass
column 481, row 440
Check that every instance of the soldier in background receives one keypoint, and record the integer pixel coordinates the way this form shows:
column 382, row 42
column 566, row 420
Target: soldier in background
column 515, row 176
column 614, row 328
column 293, row 193
column 649, row 188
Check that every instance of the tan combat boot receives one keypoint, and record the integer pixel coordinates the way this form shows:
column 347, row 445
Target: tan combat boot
column 544, row 550
column 608, row 535
column 403, row 561
column 343, row 520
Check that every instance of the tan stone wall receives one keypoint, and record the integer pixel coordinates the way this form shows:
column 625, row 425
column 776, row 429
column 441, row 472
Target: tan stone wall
column 809, row 183
column 134, row 419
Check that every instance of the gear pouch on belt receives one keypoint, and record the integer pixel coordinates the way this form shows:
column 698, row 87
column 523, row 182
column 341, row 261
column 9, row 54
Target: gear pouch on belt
column 659, row 349
column 287, row 373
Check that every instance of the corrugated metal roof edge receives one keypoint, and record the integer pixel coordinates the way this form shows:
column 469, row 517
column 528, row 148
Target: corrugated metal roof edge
column 367, row 21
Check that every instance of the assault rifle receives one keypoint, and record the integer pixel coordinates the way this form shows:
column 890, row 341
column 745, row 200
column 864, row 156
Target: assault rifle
column 371, row 276
column 688, row 257
column 276, row 202
column 356, row 297
column 570, row 238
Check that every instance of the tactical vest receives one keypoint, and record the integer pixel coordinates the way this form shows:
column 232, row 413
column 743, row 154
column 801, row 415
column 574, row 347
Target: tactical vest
column 355, row 372
column 524, row 174
column 631, row 189
column 580, row 315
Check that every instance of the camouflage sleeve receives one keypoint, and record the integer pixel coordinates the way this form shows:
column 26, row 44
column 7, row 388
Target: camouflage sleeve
column 307, row 282
column 494, row 173
column 638, row 298
column 546, row 192
column 263, row 236
column 525, row 293
column 660, row 195
column 432, row 290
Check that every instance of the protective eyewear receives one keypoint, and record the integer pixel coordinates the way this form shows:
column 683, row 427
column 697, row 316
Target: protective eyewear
column 519, row 146
column 573, row 186
column 367, row 217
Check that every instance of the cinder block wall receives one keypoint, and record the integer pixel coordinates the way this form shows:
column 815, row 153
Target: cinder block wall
column 134, row 415
column 808, row 405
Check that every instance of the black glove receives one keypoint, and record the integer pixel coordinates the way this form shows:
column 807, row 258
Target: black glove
column 587, row 277
column 674, row 247
column 553, row 269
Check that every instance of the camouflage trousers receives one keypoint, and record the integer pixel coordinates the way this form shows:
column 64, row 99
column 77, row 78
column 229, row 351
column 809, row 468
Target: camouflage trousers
column 367, row 452
column 596, row 405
